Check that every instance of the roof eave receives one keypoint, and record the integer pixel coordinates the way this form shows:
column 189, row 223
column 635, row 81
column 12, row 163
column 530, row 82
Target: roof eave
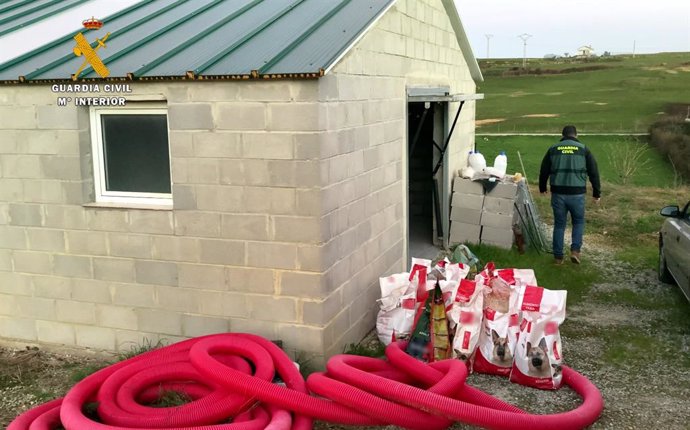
column 458, row 28
column 189, row 76
column 328, row 67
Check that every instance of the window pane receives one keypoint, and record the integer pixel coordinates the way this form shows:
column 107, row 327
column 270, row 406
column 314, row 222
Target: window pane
column 136, row 153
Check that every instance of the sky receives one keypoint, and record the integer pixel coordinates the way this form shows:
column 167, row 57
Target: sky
column 560, row 26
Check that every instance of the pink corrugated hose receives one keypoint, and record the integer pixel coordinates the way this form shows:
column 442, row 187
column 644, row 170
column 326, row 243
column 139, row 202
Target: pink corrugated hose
column 229, row 379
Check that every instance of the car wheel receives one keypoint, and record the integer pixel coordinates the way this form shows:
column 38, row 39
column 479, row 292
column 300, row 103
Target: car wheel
column 664, row 274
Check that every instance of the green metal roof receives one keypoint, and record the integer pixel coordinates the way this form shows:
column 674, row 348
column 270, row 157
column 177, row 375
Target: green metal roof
column 18, row 14
column 200, row 39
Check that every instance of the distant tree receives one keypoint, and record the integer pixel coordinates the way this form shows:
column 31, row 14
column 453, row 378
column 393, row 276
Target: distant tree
column 606, row 54
column 566, row 55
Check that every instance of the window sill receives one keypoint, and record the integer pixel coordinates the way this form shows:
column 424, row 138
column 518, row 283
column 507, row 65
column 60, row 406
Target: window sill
column 124, row 205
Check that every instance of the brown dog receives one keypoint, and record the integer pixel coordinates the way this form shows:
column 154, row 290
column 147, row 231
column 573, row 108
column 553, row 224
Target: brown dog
column 538, row 360
column 501, row 353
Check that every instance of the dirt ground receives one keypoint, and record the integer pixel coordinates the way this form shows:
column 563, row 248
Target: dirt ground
column 622, row 336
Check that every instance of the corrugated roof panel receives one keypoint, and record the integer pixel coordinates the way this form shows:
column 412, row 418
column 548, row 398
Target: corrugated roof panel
column 211, row 38
column 142, row 43
column 18, row 7
column 282, row 27
column 329, row 40
column 20, row 17
column 128, row 30
column 61, row 49
column 218, row 37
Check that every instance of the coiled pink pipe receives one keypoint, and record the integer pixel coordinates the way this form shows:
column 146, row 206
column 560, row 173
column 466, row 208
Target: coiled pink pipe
column 229, row 379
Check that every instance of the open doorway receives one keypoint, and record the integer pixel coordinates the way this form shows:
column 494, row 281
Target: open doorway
column 425, row 140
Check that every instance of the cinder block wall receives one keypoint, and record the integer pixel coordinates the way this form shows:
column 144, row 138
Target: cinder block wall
column 363, row 164
column 289, row 203
column 240, row 250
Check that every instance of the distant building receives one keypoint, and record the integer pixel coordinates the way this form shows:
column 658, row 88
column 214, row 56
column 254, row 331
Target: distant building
column 551, row 56
column 585, row 51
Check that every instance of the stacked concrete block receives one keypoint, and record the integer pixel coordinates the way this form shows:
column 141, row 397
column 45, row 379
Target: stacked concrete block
column 466, row 211
column 497, row 216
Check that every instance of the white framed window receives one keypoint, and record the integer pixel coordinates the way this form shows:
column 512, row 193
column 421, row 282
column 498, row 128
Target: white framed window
column 131, row 155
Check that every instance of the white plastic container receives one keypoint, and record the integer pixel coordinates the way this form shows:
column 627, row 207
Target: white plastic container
column 477, row 161
column 501, row 163
column 493, row 172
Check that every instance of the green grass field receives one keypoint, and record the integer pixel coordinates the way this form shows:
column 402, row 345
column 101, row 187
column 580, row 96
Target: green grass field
column 656, row 173
column 627, row 220
column 624, row 97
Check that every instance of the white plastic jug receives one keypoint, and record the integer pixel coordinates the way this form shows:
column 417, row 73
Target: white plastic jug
column 501, row 163
column 477, row 161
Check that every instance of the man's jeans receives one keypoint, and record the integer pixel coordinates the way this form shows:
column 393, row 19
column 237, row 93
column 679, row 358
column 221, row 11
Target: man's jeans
column 562, row 204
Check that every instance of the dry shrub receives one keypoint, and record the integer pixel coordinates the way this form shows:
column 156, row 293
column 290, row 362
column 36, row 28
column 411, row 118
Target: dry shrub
column 671, row 137
column 628, row 159
column 519, row 71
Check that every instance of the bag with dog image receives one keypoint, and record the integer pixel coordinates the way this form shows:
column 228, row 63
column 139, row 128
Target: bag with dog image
column 539, row 352
column 465, row 316
column 397, row 303
column 500, row 329
column 401, row 295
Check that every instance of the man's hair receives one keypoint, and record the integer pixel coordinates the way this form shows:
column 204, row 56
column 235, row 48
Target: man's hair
column 569, row 131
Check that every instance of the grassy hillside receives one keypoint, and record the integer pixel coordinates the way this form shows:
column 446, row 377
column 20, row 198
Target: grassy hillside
column 621, row 95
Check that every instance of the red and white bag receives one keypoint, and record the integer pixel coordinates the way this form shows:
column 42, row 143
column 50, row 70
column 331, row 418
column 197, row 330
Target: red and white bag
column 452, row 271
column 397, row 302
column 539, row 351
column 400, row 295
column 465, row 315
column 518, row 277
column 500, row 329
column 421, row 262
column 456, row 271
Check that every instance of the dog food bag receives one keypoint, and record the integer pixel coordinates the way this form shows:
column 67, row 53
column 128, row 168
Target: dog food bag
column 448, row 289
column 397, row 303
column 421, row 262
column 456, row 271
column 539, row 353
column 500, row 329
column 465, row 315
column 519, row 277
column 450, row 271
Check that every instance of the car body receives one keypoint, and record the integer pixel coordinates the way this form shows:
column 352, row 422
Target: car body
column 674, row 247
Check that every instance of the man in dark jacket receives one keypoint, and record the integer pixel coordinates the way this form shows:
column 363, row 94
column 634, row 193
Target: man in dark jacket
column 568, row 164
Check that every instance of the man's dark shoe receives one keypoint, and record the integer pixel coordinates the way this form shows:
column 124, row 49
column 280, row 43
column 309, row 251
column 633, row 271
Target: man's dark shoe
column 575, row 257
column 558, row 261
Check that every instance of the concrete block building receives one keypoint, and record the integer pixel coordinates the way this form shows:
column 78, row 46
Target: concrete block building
column 245, row 166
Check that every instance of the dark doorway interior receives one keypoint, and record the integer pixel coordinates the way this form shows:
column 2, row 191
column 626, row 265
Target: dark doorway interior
column 421, row 160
